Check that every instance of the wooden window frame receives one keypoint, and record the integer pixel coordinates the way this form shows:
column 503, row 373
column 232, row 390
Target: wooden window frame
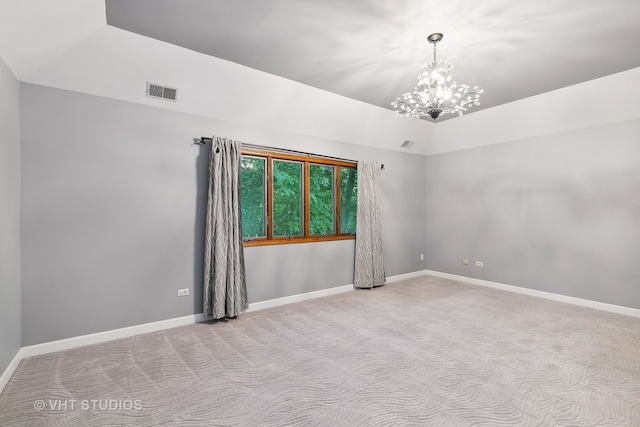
column 306, row 237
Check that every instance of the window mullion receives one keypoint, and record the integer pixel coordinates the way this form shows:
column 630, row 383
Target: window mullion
column 336, row 196
column 269, row 198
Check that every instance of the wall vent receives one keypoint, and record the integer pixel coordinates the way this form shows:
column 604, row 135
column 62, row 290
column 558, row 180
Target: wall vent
column 162, row 92
column 407, row 144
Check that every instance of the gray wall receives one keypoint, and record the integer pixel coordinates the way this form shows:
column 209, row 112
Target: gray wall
column 556, row 213
column 10, row 323
column 113, row 206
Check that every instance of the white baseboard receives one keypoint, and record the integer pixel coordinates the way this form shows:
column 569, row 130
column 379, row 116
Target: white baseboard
column 627, row 311
column 99, row 337
column 323, row 292
column 261, row 305
column 6, row 376
column 68, row 343
column 404, row 276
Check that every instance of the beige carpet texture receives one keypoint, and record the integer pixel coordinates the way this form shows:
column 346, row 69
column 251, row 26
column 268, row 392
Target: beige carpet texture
column 421, row 352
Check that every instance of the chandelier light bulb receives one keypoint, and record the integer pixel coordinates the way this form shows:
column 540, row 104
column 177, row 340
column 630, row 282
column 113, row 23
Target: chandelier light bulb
column 436, row 93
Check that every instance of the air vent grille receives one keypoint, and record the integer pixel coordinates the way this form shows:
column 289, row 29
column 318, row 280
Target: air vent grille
column 407, row 144
column 169, row 93
column 162, row 92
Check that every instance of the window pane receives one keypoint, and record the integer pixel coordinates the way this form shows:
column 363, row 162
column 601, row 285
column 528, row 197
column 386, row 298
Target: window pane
column 287, row 198
column 321, row 200
column 348, row 199
column 253, row 197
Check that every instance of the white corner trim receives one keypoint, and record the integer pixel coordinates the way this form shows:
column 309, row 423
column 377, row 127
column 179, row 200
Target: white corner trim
column 618, row 309
column 6, row 376
column 99, row 337
column 261, row 305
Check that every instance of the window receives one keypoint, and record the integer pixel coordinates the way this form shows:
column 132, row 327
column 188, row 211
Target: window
column 322, row 205
column 289, row 198
column 287, row 192
column 348, row 199
column 253, row 193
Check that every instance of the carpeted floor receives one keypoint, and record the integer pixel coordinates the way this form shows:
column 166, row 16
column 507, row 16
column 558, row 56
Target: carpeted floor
column 425, row 351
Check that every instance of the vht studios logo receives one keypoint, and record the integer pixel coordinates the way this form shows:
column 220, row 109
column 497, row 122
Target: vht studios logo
column 88, row 405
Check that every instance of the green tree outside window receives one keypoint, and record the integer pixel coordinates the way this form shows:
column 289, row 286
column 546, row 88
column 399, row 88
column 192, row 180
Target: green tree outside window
column 287, row 198
column 253, row 197
column 348, row 199
column 321, row 200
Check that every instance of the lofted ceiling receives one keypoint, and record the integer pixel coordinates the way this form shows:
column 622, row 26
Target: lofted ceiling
column 330, row 69
column 370, row 50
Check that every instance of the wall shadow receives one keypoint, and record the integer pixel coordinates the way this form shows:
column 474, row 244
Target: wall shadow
column 202, row 185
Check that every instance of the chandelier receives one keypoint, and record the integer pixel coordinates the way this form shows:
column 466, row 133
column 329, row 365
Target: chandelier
column 436, row 93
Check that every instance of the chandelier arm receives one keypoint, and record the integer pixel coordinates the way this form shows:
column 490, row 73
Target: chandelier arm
column 436, row 92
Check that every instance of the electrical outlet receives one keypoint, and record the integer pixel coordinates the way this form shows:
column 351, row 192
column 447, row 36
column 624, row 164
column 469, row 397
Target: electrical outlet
column 183, row 292
column 421, row 257
column 465, row 261
column 479, row 264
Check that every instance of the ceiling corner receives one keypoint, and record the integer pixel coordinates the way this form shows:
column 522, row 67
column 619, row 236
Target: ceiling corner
column 59, row 24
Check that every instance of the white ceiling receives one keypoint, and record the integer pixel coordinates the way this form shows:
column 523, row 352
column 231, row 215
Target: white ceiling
column 342, row 63
column 370, row 50
column 36, row 32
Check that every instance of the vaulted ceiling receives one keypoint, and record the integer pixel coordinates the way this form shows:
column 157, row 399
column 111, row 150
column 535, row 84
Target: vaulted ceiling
column 370, row 50
column 331, row 68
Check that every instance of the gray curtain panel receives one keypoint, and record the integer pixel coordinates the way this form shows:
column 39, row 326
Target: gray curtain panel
column 225, row 285
column 369, row 268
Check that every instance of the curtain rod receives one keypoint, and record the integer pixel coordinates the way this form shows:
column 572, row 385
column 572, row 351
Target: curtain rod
column 204, row 139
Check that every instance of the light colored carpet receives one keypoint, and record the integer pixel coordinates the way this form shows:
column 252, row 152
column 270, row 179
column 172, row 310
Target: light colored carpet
column 425, row 351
